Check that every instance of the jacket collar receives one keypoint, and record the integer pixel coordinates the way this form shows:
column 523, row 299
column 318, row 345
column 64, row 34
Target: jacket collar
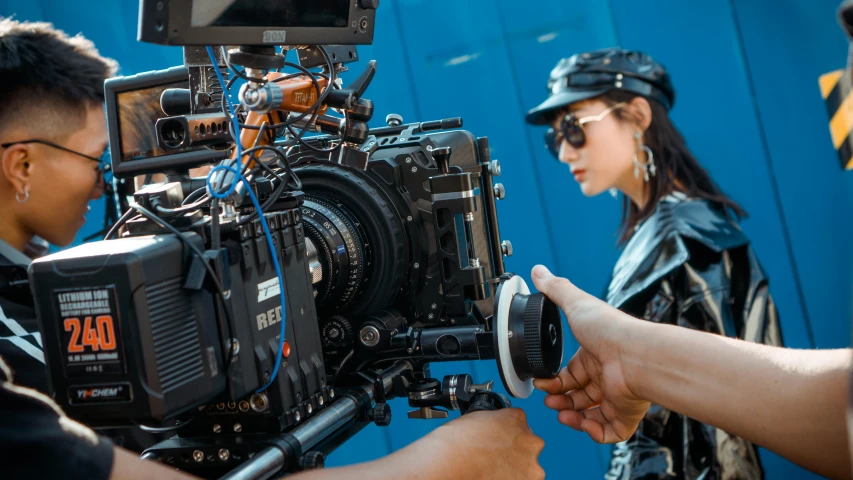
column 657, row 246
column 13, row 256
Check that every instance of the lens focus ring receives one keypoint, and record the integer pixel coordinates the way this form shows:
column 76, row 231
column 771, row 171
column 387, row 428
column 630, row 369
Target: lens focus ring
column 341, row 250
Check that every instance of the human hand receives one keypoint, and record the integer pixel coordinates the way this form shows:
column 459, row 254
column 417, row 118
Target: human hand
column 489, row 445
column 592, row 393
column 480, row 445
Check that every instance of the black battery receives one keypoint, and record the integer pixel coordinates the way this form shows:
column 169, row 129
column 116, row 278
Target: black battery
column 125, row 340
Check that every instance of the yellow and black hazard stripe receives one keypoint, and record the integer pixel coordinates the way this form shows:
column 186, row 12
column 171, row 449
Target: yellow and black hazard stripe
column 835, row 88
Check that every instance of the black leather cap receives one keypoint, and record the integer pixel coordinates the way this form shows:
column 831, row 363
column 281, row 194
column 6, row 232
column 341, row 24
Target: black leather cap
column 588, row 75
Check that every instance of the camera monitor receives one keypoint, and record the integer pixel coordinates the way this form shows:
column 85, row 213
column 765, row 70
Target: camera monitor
column 133, row 107
column 257, row 22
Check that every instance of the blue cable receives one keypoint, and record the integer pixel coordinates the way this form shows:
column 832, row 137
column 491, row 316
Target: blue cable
column 239, row 176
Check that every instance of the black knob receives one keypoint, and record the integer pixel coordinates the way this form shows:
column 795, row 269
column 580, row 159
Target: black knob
column 380, row 415
column 369, row 4
column 536, row 344
column 313, row 461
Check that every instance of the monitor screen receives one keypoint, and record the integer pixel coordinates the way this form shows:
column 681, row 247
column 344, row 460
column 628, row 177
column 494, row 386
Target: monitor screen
column 138, row 112
column 267, row 13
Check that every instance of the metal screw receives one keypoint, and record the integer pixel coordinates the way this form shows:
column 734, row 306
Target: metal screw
column 495, row 168
column 506, row 248
column 331, row 394
column 509, row 334
column 198, row 456
column 301, row 311
column 217, row 428
column 430, row 316
column 429, row 148
column 453, row 322
column 235, row 346
column 224, row 455
column 500, row 191
column 369, row 336
column 298, row 417
column 417, row 265
column 409, row 218
column 414, row 169
column 310, row 409
column 321, row 401
column 409, row 350
column 408, row 159
column 434, row 306
column 238, row 428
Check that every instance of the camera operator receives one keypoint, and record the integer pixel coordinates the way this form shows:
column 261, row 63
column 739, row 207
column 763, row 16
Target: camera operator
column 52, row 137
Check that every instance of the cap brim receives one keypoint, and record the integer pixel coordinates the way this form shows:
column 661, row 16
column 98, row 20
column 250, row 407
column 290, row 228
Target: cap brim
column 537, row 116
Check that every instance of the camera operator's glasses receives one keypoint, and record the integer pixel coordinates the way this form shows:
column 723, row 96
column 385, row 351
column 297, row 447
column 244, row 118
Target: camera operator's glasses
column 571, row 130
column 103, row 161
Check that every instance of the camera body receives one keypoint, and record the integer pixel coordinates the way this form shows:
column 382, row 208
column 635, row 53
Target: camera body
column 266, row 313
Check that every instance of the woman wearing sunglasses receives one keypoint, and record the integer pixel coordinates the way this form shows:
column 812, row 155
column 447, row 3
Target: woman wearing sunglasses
column 684, row 259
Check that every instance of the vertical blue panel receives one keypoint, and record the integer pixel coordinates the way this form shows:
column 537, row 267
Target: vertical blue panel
column 787, row 48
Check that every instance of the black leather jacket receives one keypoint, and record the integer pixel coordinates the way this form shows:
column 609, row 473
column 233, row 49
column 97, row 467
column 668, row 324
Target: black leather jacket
column 688, row 265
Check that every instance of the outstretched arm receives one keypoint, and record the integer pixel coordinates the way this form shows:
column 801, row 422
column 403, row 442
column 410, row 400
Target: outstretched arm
column 792, row 402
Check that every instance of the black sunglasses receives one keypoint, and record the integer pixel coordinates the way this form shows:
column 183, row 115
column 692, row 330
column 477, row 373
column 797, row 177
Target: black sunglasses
column 104, row 164
column 571, row 130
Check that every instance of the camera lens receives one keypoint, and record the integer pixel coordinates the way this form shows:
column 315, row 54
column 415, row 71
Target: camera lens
column 358, row 237
column 341, row 250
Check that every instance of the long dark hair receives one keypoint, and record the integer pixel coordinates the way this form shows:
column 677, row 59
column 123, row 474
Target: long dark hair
column 677, row 168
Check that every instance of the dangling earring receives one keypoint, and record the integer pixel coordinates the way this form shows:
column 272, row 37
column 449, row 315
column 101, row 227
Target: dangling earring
column 650, row 162
column 649, row 169
column 25, row 198
column 637, row 166
column 614, row 192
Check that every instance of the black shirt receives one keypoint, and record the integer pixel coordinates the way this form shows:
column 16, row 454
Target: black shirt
column 20, row 340
column 38, row 441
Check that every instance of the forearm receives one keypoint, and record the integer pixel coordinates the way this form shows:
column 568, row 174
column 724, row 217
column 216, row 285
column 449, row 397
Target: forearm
column 426, row 463
column 792, row 402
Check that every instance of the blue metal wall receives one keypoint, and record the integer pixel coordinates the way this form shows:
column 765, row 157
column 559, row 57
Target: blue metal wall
column 746, row 74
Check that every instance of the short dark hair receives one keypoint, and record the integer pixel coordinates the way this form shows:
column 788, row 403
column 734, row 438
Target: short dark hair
column 47, row 78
